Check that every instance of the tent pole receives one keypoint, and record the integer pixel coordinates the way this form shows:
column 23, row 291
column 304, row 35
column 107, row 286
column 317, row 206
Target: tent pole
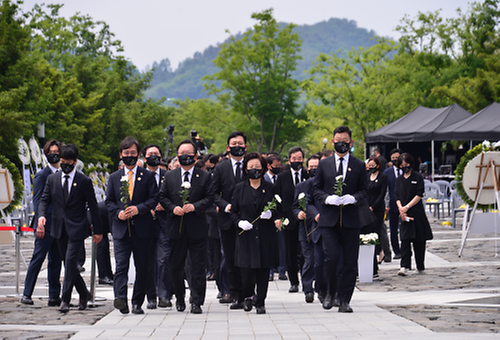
column 397, row 145
column 432, row 161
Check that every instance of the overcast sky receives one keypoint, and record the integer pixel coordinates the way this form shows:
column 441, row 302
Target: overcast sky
column 152, row 30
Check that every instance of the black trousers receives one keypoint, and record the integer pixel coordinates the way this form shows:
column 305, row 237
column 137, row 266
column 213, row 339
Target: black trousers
column 70, row 250
column 197, row 255
column 341, row 247
column 418, row 248
column 255, row 277
column 103, row 258
column 228, row 239
column 291, row 253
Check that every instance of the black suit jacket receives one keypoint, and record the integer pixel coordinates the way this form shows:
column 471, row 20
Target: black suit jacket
column 223, row 184
column 324, row 185
column 306, row 188
column 286, row 190
column 145, row 198
column 391, row 181
column 71, row 215
column 38, row 186
column 200, row 195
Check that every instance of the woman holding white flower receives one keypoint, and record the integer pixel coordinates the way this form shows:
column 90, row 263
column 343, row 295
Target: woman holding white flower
column 256, row 241
column 415, row 228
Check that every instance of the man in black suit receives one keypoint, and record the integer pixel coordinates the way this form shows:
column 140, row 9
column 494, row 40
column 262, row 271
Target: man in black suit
column 225, row 177
column 70, row 195
column 392, row 174
column 44, row 242
column 307, row 236
column 132, row 224
column 339, row 219
column 161, row 285
column 285, row 187
column 187, row 224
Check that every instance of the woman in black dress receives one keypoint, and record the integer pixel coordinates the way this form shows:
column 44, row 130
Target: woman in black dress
column 377, row 186
column 415, row 228
column 256, row 242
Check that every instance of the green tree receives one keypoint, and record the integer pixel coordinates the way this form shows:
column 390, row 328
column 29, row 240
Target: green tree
column 255, row 79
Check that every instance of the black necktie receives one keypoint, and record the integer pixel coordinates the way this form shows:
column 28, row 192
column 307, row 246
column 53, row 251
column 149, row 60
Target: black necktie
column 341, row 166
column 186, row 176
column 238, row 172
column 297, row 180
column 274, row 179
column 65, row 188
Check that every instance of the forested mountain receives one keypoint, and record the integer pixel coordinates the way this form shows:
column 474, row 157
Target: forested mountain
column 324, row 37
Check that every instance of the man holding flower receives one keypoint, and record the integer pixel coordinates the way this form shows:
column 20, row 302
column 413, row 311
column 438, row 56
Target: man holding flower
column 340, row 183
column 185, row 195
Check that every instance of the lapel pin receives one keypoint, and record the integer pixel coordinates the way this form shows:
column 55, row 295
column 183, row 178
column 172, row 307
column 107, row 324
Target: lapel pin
column 263, row 190
column 74, row 184
column 139, row 178
column 348, row 169
column 197, row 175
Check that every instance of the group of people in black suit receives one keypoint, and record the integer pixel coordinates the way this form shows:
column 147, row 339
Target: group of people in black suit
column 159, row 217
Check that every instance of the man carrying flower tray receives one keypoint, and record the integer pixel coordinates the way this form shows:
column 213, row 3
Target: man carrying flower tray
column 185, row 195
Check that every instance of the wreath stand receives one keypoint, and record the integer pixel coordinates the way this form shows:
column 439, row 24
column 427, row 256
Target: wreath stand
column 483, row 222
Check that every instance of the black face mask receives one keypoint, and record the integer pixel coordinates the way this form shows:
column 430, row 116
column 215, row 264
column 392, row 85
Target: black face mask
column 237, row 151
column 372, row 170
column 53, row 158
column 276, row 170
column 341, row 147
column 296, row 165
column 153, row 160
column 312, row 172
column 254, row 173
column 186, row 159
column 67, row 168
column 130, row 160
column 406, row 169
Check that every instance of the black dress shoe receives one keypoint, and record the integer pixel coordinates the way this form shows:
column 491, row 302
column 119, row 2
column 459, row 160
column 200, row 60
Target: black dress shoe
column 321, row 296
column 82, row 305
column 195, row 309
column 64, row 307
column 151, row 304
column 105, row 281
column 164, row 303
column 309, row 297
column 136, row 309
column 247, row 305
column 328, row 302
column 345, row 308
column 121, row 305
column 397, row 257
column 54, row 302
column 293, row 289
column 226, row 298
column 261, row 310
column 282, row 277
column 180, row 305
column 236, row 305
column 219, row 295
column 25, row 299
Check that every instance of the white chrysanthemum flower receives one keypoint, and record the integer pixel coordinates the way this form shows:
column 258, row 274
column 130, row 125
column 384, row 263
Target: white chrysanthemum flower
column 286, row 221
column 301, row 195
column 278, row 198
column 124, row 179
column 496, row 145
column 186, row 185
column 339, row 178
column 486, row 144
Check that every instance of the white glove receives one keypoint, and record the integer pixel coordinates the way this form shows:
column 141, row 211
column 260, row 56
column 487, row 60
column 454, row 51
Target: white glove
column 245, row 225
column 266, row 215
column 333, row 200
column 347, row 199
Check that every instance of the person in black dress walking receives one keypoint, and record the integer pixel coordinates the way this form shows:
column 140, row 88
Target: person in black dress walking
column 415, row 228
column 256, row 240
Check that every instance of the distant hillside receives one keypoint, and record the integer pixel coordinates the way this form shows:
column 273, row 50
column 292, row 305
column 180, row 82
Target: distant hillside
column 324, row 37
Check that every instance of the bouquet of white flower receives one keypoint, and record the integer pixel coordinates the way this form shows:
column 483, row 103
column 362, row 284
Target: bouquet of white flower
column 186, row 186
column 366, row 239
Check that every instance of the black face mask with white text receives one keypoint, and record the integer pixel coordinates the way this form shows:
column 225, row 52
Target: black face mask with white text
column 67, row 168
column 254, row 173
column 186, row 160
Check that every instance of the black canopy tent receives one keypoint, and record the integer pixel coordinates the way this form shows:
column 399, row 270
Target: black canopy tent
column 420, row 125
column 484, row 125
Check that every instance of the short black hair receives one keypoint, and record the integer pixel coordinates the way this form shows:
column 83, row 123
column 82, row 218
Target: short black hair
column 295, row 149
column 406, row 157
column 314, row 156
column 212, row 158
column 342, row 129
column 327, row 153
column 69, row 152
column 46, row 148
column 254, row 155
column 128, row 142
column 271, row 157
column 187, row 141
column 395, row 150
column 145, row 149
column 236, row 134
